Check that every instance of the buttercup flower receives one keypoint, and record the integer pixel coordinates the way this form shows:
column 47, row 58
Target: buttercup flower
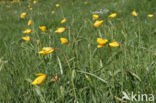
column 95, row 16
column 42, row 28
column 150, row 15
column 113, row 15
column 85, row 2
column 53, row 12
column 114, row 44
column 35, row 1
column 64, row 41
column 40, row 79
column 29, row 22
column 30, row 9
column 46, row 50
column 101, row 42
column 26, row 38
column 60, row 30
column 27, row 31
column 23, row 15
column 63, row 20
column 98, row 23
column 134, row 13
column 57, row 5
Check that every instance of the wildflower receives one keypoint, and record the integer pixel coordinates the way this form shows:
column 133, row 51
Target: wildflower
column 23, row 15
column 57, row 5
column 27, row 31
column 40, row 79
column 114, row 44
column 35, row 1
column 8, row 6
column 98, row 23
column 134, row 13
column 150, row 15
column 85, row 2
column 95, row 16
column 63, row 20
column 64, row 41
column 53, row 12
column 42, row 28
column 26, row 38
column 113, row 15
column 29, row 22
column 30, row 8
column 46, row 50
column 101, row 42
column 60, row 30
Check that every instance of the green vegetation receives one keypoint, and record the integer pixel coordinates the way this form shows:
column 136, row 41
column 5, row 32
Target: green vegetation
column 90, row 74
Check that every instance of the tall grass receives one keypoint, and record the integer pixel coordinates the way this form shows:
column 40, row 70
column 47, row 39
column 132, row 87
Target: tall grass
column 87, row 74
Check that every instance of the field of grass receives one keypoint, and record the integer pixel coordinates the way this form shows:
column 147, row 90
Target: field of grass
column 85, row 73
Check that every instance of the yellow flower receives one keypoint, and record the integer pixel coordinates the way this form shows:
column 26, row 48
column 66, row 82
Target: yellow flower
column 30, row 8
column 114, row 44
column 150, row 15
column 63, row 20
column 40, row 79
column 60, row 30
column 98, row 23
column 27, row 31
column 113, row 15
column 8, row 6
column 101, row 42
column 85, row 2
column 53, row 12
column 57, row 5
column 64, row 41
column 42, row 28
column 29, row 22
column 23, row 15
column 35, row 1
column 134, row 13
column 95, row 16
column 26, row 38
column 46, row 50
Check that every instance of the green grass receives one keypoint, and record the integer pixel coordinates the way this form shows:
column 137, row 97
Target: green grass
column 130, row 67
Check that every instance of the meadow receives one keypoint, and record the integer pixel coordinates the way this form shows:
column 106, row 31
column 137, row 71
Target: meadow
column 83, row 66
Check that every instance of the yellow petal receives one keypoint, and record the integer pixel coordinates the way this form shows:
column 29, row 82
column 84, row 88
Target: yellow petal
column 60, row 30
column 63, row 20
column 29, row 22
column 150, row 15
column 113, row 15
column 26, row 38
column 85, row 2
column 98, row 23
column 23, row 15
column 99, row 46
column 57, row 5
column 39, row 74
column 100, row 41
column 53, row 12
column 35, row 1
column 114, row 44
column 39, row 80
column 46, row 50
column 95, row 16
column 42, row 28
column 64, row 40
column 27, row 31
column 134, row 13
